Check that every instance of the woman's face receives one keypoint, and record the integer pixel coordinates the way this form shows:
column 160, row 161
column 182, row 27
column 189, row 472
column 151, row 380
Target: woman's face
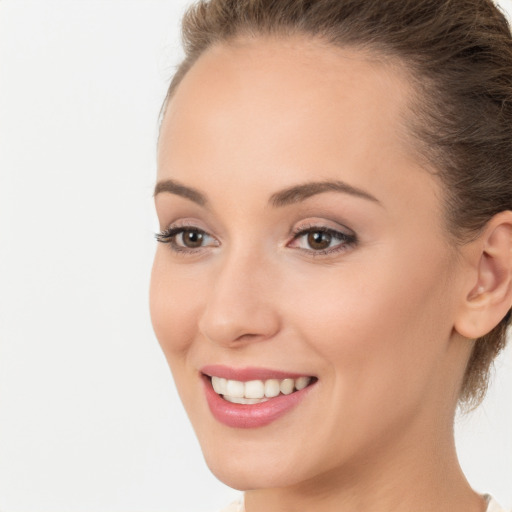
column 301, row 238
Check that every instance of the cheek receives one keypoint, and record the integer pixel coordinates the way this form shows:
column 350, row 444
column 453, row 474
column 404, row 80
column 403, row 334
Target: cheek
column 378, row 324
column 173, row 307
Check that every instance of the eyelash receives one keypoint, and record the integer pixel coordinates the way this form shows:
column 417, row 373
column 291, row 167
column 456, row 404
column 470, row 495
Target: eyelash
column 346, row 240
column 168, row 236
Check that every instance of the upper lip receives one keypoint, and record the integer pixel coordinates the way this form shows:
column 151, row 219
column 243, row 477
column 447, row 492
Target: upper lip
column 249, row 373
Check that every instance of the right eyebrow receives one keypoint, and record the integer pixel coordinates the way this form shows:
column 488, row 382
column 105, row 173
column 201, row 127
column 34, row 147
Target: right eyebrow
column 178, row 189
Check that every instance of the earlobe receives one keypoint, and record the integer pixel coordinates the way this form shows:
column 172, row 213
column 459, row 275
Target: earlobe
column 490, row 288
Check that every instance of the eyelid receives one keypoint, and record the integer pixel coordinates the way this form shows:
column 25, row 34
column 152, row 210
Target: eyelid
column 185, row 223
column 323, row 226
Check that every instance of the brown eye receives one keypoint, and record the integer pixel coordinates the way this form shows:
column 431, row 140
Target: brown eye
column 191, row 239
column 319, row 240
column 183, row 239
column 322, row 240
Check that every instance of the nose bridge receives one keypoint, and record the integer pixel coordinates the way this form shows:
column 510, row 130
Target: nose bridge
column 240, row 306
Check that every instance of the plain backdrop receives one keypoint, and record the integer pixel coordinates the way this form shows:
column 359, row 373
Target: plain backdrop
column 89, row 418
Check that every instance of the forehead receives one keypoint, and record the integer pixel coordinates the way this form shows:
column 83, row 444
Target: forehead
column 293, row 73
column 289, row 109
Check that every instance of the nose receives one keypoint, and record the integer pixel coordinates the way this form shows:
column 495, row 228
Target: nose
column 240, row 307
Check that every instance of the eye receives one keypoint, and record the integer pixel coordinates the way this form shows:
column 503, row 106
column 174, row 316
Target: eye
column 190, row 238
column 186, row 238
column 319, row 240
column 322, row 240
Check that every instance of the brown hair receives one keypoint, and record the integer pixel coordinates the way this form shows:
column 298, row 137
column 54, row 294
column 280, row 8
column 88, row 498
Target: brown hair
column 459, row 56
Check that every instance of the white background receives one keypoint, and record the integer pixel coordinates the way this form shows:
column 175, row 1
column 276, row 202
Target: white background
column 89, row 419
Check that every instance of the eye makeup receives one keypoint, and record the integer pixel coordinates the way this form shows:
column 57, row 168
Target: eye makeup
column 312, row 239
column 320, row 240
column 186, row 239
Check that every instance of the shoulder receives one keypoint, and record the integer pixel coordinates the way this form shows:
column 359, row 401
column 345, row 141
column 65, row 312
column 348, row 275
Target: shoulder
column 492, row 505
column 236, row 506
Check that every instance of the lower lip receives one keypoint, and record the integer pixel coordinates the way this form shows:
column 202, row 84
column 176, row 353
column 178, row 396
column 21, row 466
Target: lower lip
column 251, row 416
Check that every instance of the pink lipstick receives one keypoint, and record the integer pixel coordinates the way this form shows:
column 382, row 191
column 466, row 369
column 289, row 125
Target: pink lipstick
column 252, row 397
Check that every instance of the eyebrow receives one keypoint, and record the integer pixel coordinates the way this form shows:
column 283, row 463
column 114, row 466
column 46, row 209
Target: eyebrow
column 300, row 192
column 282, row 198
column 178, row 189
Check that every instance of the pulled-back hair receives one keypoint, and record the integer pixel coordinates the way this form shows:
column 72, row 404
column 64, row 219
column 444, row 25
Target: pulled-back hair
column 458, row 55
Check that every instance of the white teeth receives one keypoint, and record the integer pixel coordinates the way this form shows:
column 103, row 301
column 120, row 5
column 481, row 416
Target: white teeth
column 302, row 382
column 219, row 385
column 235, row 388
column 256, row 391
column 272, row 388
column 287, row 386
column 245, row 401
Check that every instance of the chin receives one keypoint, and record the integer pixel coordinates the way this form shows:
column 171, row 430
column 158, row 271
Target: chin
column 256, row 463
column 245, row 474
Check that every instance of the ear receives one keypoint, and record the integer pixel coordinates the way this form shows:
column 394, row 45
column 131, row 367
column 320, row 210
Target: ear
column 488, row 295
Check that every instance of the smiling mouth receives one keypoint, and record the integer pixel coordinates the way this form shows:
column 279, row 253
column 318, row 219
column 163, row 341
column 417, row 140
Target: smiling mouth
column 257, row 391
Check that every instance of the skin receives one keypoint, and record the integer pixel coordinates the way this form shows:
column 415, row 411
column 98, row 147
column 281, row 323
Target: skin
column 375, row 322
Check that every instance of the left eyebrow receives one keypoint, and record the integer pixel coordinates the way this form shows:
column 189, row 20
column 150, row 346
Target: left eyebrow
column 300, row 192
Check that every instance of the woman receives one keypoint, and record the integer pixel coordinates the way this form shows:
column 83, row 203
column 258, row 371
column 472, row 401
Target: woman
column 334, row 274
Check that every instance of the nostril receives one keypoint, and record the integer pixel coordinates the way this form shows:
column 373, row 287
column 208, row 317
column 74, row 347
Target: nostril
column 247, row 337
